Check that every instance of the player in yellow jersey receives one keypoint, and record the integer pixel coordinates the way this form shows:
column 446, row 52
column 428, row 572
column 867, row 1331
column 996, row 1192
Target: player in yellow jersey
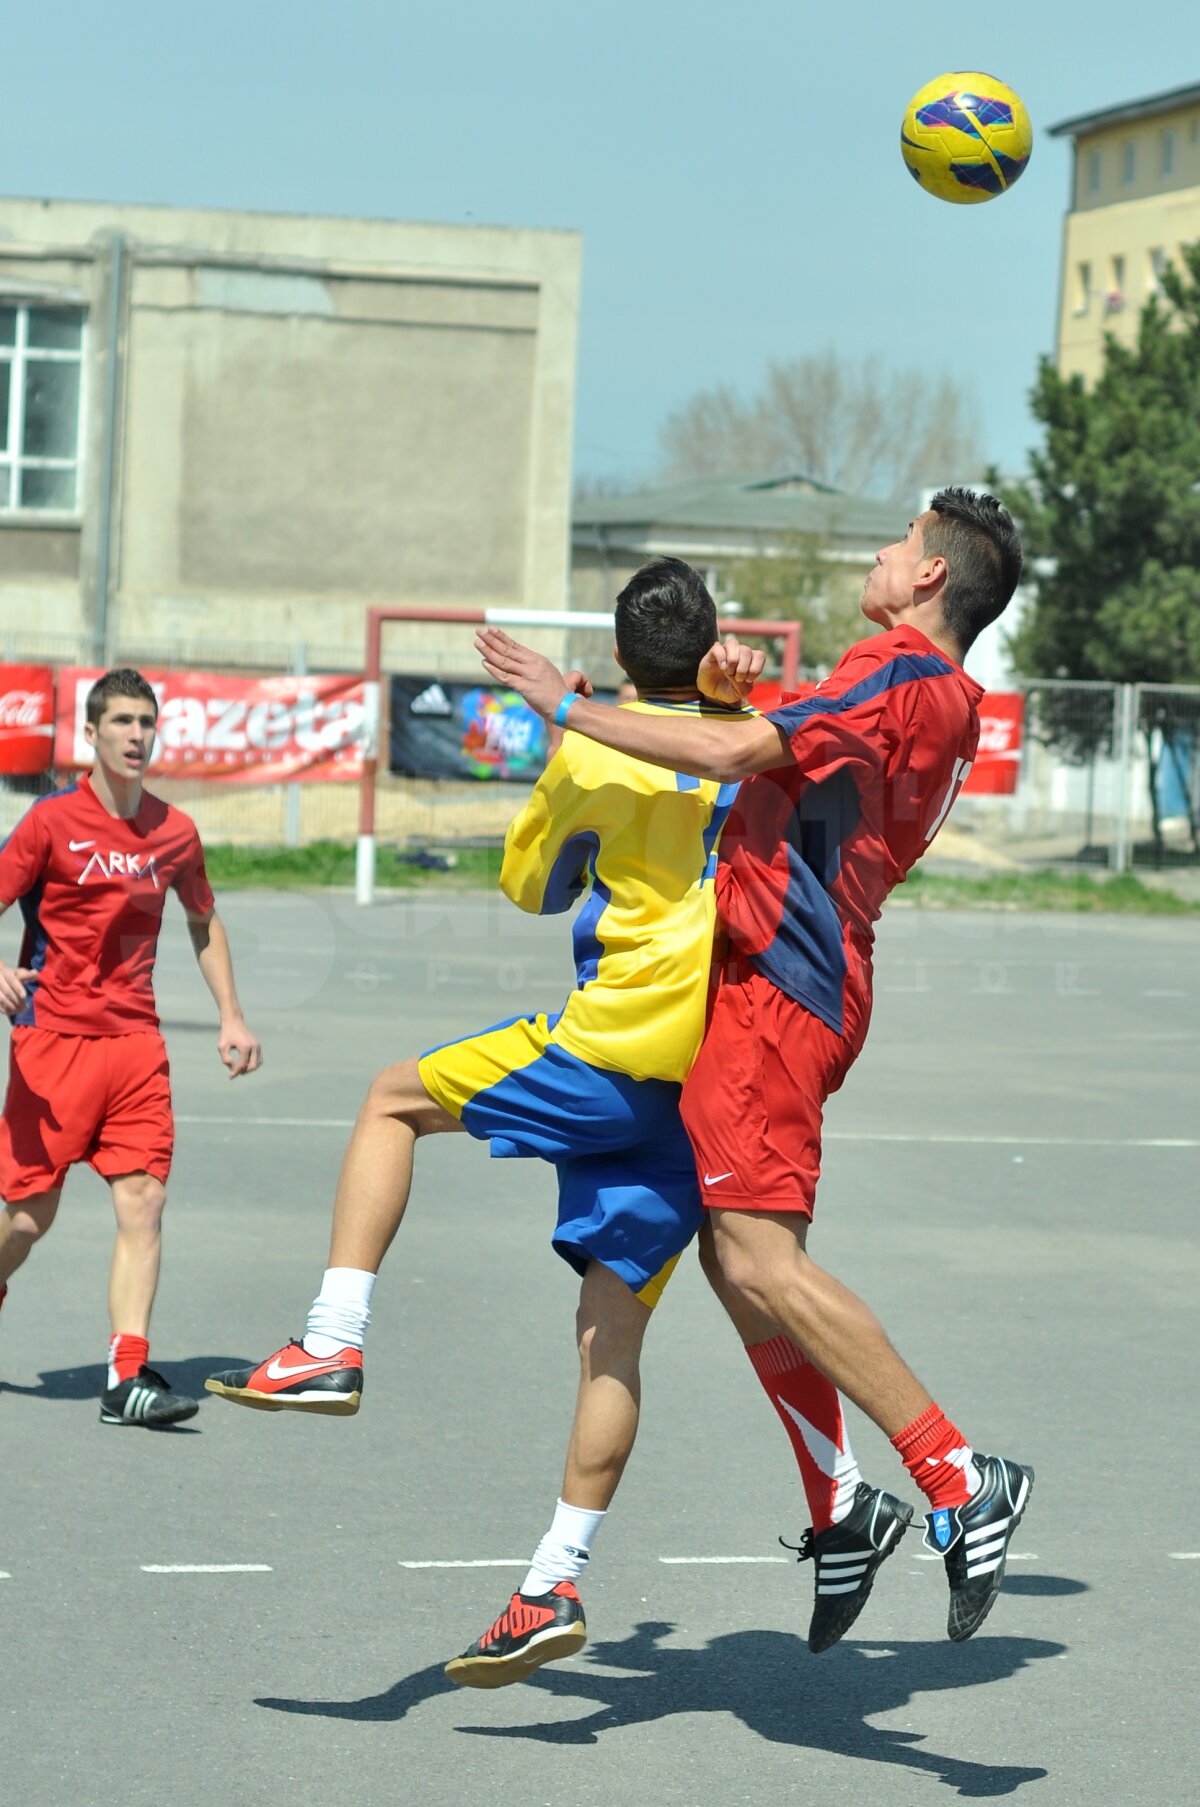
column 594, row 1090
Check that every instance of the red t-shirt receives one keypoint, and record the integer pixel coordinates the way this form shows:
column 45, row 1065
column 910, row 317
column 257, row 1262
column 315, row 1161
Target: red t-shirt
column 809, row 852
column 91, row 888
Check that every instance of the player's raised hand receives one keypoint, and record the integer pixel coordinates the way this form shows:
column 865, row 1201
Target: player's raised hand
column 13, row 980
column 239, row 1049
column 728, row 670
column 518, row 668
column 578, row 681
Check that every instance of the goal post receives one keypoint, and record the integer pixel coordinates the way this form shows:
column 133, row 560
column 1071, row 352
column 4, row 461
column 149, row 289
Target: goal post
column 563, row 619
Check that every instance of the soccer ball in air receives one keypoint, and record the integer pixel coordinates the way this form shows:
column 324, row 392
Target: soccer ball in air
column 966, row 137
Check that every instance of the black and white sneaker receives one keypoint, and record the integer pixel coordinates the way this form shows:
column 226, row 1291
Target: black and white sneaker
column 974, row 1540
column 147, row 1400
column 847, row 1555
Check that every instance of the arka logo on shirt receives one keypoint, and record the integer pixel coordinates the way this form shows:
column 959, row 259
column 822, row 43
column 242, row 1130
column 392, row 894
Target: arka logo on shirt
column 120, row 865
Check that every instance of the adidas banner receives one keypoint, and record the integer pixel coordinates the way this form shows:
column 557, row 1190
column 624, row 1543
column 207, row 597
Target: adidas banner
column 440, row 729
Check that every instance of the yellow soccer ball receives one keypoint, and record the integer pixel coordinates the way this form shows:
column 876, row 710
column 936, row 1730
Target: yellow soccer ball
column 966, row 137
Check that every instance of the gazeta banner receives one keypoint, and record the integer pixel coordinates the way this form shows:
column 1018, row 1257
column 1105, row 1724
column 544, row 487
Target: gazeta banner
column 236, row 730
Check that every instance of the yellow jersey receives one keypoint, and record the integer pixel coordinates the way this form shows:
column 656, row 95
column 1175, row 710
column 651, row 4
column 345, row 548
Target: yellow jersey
column 640, row 842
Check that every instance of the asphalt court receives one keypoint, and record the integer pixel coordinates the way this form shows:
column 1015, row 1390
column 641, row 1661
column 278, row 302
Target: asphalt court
column 242, row 1611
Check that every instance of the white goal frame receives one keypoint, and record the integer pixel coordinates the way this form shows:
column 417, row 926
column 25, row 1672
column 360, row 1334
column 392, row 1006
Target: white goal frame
column 377, row 619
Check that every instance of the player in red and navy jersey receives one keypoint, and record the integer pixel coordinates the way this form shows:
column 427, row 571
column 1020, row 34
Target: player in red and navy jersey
column 844, row 787
column 91, row 867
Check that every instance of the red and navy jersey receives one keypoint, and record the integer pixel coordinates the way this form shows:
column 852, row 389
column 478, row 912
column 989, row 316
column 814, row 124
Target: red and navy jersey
column 92, row 888
column 810, row 850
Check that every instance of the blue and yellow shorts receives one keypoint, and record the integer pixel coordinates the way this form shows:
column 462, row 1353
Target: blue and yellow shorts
column 627, row 1190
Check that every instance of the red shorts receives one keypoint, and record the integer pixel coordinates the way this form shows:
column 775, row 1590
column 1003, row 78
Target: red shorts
column 104, row 1099
column 752, row 1103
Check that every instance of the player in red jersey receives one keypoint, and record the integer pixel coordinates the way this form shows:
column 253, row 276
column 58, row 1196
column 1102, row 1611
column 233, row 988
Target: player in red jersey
column 845, row 787
column 88, row 1078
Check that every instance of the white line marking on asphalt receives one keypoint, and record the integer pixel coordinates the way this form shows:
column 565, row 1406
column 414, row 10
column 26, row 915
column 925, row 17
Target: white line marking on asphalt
column 1184, row 1555
column 206, row 1568
column 830, row 1135
column 1164, row 994
column 277, row 1122
column 498, row 1562
column 4, row 1575
column 1022, row 1141
column 702, row 1559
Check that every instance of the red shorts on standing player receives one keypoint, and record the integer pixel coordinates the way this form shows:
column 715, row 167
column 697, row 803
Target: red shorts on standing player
column 103, row 1099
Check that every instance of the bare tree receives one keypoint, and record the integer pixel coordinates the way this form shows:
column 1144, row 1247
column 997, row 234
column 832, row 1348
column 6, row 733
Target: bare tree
column 855, row 426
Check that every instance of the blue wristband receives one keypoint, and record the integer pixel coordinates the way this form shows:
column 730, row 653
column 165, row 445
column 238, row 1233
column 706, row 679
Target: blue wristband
column 560, row 714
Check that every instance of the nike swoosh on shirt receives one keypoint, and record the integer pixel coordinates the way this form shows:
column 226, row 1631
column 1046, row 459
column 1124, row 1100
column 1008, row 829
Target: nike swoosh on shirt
column 275, row 1371
column 78, row 846
column 714, row 1179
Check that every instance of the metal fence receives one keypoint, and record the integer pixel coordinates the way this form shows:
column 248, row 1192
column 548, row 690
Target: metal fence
column 1109, row 774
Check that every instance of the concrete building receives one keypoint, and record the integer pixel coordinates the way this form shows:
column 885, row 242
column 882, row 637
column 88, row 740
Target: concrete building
column 227, row 433
column 1135, row 199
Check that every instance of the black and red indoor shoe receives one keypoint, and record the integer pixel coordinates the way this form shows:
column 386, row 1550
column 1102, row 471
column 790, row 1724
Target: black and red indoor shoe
column 293, row 1380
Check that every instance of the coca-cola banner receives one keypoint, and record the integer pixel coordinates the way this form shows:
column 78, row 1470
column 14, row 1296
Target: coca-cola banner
column 998, row 761
column 26, row 718
column 237, row 730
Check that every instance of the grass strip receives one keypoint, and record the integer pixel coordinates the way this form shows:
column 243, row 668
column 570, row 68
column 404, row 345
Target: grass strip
column 324, row 863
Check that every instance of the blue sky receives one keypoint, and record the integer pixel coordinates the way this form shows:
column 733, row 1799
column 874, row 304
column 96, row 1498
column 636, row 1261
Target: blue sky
column 735, row 173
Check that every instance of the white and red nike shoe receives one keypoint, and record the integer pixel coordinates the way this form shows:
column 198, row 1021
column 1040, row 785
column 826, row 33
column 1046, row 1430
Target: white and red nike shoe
column 293, row 1380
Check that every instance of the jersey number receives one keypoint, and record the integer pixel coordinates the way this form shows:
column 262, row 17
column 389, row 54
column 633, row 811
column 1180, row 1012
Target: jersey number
column 958, row 778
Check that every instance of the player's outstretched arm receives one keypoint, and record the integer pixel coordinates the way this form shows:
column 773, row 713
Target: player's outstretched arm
column 724, row 750
column 238, row 1047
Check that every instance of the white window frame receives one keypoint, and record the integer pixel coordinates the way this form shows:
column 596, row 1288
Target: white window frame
column 1095, row 171
column 1166, row 154
column 17, row 356
column 1129, row 163
column 1083, row 287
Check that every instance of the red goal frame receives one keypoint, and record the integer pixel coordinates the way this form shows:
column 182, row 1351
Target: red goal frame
column 377, row 618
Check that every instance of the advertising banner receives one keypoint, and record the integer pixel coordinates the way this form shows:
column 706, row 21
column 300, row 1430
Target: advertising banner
column 440, row 729
column 26, row 718
column 235, row 730
column 998, row 762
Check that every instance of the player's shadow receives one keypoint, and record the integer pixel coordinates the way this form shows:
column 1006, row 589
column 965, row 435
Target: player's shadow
column 88, row 1382
column 768, row 1680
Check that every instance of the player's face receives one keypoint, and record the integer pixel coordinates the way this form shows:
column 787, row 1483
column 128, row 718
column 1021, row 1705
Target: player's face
column 124, row 736
column 892, row 578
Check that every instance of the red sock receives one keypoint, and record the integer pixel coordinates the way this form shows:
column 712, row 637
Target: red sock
column 938, row 1457
column 811, row 1412
column 126, row 1355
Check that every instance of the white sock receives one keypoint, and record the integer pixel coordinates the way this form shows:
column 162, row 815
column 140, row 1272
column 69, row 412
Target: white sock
column 562, row 1554
column 341, row 1311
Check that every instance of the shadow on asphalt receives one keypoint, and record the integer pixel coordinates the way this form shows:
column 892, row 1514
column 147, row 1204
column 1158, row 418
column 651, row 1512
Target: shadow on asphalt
column 90, row 1381
column 766, row 1679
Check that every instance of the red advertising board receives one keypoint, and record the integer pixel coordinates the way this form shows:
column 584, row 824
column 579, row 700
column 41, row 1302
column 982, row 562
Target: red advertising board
column 26, row 718
column 998, row 761
column 235, row 730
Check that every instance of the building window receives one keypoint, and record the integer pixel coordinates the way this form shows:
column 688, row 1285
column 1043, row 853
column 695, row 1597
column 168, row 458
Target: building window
column 1158, row 263
column 1095, row 166
column 1083, row 288
column 41, row 376
column 1167, row 154
column 1128, row 161
column 1114, row 300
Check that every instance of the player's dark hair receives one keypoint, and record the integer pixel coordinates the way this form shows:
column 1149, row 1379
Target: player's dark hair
column 976, row 536
column 666, row 621
column 122, row 682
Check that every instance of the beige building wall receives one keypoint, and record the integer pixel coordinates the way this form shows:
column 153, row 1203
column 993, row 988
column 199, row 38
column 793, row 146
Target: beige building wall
column 1135, row 202
column 312, row 415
